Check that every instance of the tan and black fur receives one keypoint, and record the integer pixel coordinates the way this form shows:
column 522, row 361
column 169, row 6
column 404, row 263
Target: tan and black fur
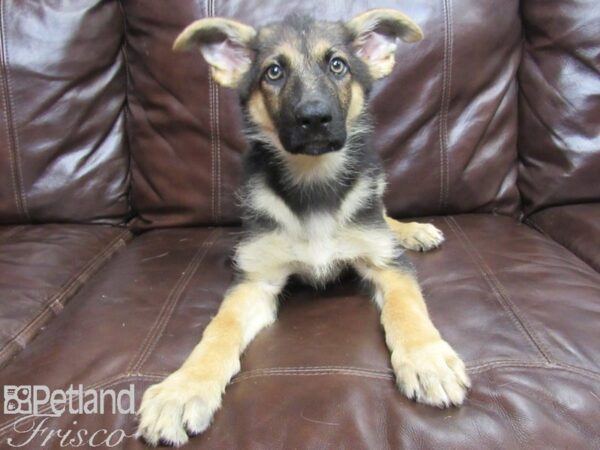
column 312, row 206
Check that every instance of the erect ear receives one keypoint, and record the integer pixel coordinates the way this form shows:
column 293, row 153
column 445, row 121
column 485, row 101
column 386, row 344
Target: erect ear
column 224, row 44
column 375, row 35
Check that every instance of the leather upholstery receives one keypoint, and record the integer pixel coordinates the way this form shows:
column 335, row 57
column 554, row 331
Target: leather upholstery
column 559, row 104
column 62, row 122
column 448, row 138
column 577, row 227
column 41, row 268
column 320, row 376
column 493, row 117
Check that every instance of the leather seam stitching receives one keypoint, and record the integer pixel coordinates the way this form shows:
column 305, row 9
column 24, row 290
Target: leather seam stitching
column 319, row 369
column 212, row 148
column 497, row 295
column 164, row 315
column 211, row 119
column 124, row 378
column 502, row 296
column 15, row 133
column 147, row 342
column 450, row 64
column 473, row 367
column 446, row 86
column 389, row 376
column 126, row 115
column 522, row 318
column 356, row 368
column 374, row 373
column 206, row 246
column 217, row 137
column 66, row 291
column 7, row 108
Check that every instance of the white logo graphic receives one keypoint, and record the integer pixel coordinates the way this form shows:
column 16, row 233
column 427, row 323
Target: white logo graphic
column 39, row 400
column 37, row 405
column 17, row 399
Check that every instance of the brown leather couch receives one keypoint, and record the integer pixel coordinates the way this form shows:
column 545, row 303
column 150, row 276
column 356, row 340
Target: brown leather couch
column 119, row 161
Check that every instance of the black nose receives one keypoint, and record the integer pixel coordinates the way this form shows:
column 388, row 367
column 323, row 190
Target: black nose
column 313, row 114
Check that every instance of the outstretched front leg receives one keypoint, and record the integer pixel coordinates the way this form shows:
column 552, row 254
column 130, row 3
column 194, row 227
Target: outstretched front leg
column 427, row 369
column 416, row 236
column 186, row 400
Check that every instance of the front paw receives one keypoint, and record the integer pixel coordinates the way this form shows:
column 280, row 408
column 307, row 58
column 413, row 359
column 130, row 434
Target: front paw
column 179, row 405
column 432, row 374
column 422, row 237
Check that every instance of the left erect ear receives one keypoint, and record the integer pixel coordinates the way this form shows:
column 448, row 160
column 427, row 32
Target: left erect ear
column 225, row 45
column 375, row 35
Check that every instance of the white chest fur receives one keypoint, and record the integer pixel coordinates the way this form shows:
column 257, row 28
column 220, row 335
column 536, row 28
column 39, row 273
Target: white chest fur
column 316, row 245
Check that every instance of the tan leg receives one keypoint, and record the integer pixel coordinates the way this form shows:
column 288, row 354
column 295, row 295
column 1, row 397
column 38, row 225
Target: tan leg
column 426, row 367
column 416, row 236
column 186, row 400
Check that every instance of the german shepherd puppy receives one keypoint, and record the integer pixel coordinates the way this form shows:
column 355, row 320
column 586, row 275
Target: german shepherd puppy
column 312, row 205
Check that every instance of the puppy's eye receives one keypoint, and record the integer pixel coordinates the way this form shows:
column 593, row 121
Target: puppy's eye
column 338, row 66
column 274, row 72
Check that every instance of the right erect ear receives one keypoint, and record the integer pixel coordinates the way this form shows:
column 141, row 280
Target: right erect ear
column 225, row 45
column 375, row 33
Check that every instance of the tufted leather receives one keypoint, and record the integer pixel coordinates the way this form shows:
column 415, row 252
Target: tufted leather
column 492, row 118
column 62, row 123
column 448, row 138
column 559, row 104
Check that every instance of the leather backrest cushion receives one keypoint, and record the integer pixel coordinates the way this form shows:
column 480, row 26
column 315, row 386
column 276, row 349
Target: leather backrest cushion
column 559, row 104
column 446, row 118
column 62, row 126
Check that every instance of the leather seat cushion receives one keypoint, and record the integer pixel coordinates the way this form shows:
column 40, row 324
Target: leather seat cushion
column 320, row 376
column 577, row 227
column 41, row 268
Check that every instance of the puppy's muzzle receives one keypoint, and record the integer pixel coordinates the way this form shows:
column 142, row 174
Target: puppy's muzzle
column 317, row 130
column 313, row 116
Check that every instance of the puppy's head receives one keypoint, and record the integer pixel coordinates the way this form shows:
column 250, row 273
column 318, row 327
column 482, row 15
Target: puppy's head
column 303, row 83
